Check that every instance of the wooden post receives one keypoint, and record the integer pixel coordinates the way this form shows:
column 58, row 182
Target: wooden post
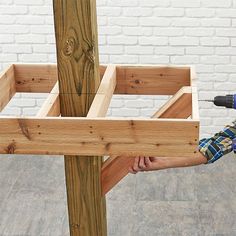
column 78, row 75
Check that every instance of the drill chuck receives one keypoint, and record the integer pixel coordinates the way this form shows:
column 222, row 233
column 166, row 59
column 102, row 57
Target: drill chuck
column 228, row 101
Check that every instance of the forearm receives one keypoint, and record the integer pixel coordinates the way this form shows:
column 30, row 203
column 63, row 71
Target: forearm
column 170, row 162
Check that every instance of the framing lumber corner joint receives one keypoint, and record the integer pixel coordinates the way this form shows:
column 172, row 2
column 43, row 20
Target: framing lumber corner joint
column 172, row 131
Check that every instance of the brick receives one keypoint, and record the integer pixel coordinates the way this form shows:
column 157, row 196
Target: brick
column 227, row 13
column 153, row 40
column 30, row 20
column 214, row 41
column 216, row 22
column 125, row 112
column 137, row 11
column 184, row 59
column 33, row 57
column 123, row 21
column 169, row 50
column 168, row 31
column 109, row 11
column 154, row 21
column 23, row 102
column 199, row 32
column 154, row 59
column 139, row 50
column 129, row 40
column 216, row 3
column 129, row 59
column 179, row 41
column 139, row 104
column 111, row 49
column 199, row 50
column 155, row 3
column 6, row 38
column 9, row 48
column 109, row 30
column 123, row 3
column 30, row 38
column 185, row 3
column 13, row 10
column 169, row 12
column 215, row 59
column 200, row 12
column 144, row 31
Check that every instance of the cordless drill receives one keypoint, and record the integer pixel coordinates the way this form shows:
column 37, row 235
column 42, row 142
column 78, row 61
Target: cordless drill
column 228, row 101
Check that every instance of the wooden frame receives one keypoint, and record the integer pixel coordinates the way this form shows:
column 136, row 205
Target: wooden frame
column 172, row 131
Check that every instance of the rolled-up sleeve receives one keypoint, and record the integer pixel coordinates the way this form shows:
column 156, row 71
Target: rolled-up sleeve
column 219, row 145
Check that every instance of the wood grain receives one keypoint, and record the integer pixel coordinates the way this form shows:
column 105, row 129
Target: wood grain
column 179, row 106
column 151, row 80
column 35, row 78
column 140, row 79
column 7, row 86
column 79, row 79
column 104, row 94
column 98, row 135
column 51, row 106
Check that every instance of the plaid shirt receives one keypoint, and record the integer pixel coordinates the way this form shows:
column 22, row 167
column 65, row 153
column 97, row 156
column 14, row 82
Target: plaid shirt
column 219, row 145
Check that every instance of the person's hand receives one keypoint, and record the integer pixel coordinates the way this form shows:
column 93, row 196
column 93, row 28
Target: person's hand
column 142, row 163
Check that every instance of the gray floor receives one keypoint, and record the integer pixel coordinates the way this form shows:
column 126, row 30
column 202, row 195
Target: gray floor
column 191, row 201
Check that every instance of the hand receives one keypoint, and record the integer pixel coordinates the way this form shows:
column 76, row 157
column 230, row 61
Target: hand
column 142, row 163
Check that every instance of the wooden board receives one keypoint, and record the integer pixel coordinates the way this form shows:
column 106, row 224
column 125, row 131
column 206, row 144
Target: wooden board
column 51, row 106
column 79, row 79
column 104, row 94
column 151, row 80
column 98, row 136
column 7, row 86
column 35, row 78
column 179, row 106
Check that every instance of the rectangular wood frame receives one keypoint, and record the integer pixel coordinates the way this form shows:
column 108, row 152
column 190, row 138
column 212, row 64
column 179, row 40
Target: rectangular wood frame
column 47, row 133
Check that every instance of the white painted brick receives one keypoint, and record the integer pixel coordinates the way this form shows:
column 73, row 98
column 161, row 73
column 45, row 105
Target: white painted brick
column 153, row 40
column 11, row 111
column 217, row 3
column 200, row 12
column 226, row 32
column 8, row 57
column 233, row 42
column 109, row 11
column 185, row 3
column 6, row 38
column 33, row 58
column 9, row 48
column 111, row 49
column 226, row 68
column 181, row 41
column 124, row 59
column 30, row 20
column 169, row 50
column 199, row 50
column 44, row 29
column 215, row 60
column 129, row 40
column 7, row 19
column 28, row 2
column 199, row 32
column 214, row 41
column 184, row 59
column 154, row 59
column 42, row 10
column 13, row 10
column 216, row 22
column 30, row 111
column 115, row 103
column 225, row 51
column 44, row 48
column 169, row 12
column 14, row 29
column 227, row 13
column 30, row 38
column 185, row 22
column 144, row 31
column 125, row 112
column 110, row 30
column 154, row 21
column 139, row 50
column 123, row 3
column 138, row 11
column 155, row 3
column 123, row 21
column 139, row 104
column 168, row 31
column 147, row 112
column 23, row 103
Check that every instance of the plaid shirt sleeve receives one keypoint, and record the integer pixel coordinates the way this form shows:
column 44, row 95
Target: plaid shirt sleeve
column 219, row 145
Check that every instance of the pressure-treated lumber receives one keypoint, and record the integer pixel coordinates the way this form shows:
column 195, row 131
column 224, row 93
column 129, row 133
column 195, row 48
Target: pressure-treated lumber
column 179, row 106
column 79, row 79
column 51, row 106
column 7, row 86
column 104, row 94
column 140, row 79
column 100, row 136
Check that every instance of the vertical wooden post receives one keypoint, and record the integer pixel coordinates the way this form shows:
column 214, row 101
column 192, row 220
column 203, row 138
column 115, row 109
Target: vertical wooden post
column 78, row 73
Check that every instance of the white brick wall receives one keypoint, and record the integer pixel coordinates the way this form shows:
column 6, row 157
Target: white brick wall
column 199, row 32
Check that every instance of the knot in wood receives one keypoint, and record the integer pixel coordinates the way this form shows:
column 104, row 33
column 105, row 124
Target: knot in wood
column 69, row 46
